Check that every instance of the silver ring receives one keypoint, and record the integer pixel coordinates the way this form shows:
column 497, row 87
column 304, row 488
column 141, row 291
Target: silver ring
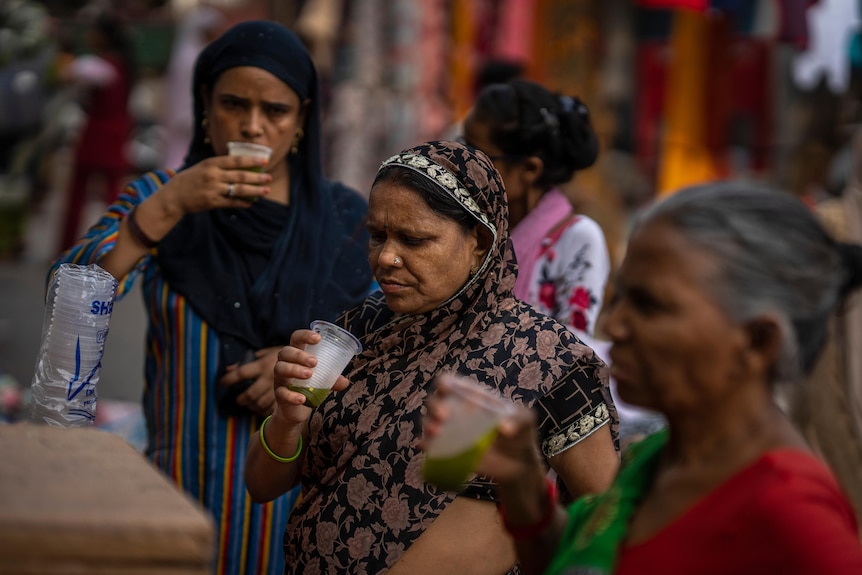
column 396, row 261
column 230, row 190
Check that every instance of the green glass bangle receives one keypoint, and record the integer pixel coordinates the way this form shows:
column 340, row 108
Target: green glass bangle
column 271, row 453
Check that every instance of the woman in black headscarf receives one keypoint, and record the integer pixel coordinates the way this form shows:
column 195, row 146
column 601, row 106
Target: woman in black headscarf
column 233, row 261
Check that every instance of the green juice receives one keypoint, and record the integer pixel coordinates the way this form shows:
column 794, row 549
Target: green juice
column 314, row 395
column 259, row 170
column 451, row 472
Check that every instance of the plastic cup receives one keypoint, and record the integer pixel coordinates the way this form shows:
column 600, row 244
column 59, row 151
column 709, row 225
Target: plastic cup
column 249, row 149
column 453, row 454
column 334, row 351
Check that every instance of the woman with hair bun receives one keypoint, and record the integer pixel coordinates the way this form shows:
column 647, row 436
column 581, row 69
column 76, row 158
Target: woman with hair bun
column 724, row 295
column 539, row 140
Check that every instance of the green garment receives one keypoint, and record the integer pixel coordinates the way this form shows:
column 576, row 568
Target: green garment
column 598, row 524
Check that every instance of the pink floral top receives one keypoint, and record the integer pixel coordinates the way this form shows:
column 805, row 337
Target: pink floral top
column 570, row 265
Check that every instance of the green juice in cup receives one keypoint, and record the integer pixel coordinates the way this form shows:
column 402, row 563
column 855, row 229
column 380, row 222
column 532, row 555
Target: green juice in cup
column 314, row 395
column 251, row 150
column 451, row 472
column 334, row 351
column 463, row 437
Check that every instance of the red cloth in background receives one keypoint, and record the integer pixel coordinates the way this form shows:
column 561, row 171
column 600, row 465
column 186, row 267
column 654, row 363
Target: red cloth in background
column 692, row 4
column 783, row 514
column 793, row 22
column 738, row 100
column 649, row 99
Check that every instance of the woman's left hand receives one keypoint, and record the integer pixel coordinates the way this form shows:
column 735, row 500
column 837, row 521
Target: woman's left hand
column 260, row 396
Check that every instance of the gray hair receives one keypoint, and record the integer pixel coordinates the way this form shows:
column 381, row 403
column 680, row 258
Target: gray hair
column 773, row 257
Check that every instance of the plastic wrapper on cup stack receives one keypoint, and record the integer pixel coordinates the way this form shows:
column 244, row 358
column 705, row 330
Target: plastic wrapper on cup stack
column 78, row 308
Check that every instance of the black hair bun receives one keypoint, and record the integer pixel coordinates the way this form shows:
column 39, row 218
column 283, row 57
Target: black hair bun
column 584, row 142
column 851, row 255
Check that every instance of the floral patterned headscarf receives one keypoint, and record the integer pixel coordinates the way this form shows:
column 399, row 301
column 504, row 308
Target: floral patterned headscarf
column 364, row 500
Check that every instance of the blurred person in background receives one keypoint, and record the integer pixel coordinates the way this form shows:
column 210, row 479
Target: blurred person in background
column 724, row 294
column 538, row 141
column 235, row 254
column 103, row 80
column 198, row 27
column 493, row 71
column 828, row 407
column 26, row 51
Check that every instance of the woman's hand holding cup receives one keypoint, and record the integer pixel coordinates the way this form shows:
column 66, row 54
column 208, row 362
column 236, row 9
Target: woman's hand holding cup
column 512, row 455
column 294, row 366
column 217, row 182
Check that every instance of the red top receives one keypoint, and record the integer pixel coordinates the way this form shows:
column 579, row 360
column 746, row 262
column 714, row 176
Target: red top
column 783, row 514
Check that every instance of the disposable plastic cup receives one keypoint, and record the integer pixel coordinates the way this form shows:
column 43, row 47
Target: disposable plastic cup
column 334, row 351
column 249, row 149
column 468, row 431
column 70, row 353
column 69, row 347
column 73, row 335
column 81, row 317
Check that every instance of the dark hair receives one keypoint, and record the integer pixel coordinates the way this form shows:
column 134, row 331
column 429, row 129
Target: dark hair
column 773, row 257
column 498, row 71
column 528, row 120
column 437, row 199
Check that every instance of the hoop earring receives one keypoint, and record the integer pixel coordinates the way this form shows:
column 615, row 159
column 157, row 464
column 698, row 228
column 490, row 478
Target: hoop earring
column 299, row 135
column 205, row 124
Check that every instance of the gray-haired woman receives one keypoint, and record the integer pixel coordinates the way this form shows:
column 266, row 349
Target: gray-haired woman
column 725, row 292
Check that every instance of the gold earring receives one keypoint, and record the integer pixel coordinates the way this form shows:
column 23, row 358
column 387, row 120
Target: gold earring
column 299, row 135
column 205, row 124
column 474, row 271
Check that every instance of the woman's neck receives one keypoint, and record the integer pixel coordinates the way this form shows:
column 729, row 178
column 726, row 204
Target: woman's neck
column 729, row 433
column 519, row 209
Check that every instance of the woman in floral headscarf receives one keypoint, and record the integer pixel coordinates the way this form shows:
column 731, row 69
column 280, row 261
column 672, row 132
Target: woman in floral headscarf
column 441, row 252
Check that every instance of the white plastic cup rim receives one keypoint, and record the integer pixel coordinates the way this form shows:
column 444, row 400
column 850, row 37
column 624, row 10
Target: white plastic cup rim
column 77, row 296
column 70, row 341
column 72, row 337
column 70, row 346
column 76, row 316
column 336, row 332
column 84, row 278
column 70, row 332
column 63, row 345
column 248, row 149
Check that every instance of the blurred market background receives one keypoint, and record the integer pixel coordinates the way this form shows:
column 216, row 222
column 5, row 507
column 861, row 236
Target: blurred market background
column 681, row 91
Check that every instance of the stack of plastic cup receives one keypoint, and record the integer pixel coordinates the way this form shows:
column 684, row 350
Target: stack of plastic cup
column 78, row 309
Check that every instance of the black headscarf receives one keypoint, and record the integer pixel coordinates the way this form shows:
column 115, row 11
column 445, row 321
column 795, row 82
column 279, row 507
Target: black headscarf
column 257, row 274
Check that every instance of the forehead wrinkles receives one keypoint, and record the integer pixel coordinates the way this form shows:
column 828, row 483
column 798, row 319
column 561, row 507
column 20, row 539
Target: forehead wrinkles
column 398, row 208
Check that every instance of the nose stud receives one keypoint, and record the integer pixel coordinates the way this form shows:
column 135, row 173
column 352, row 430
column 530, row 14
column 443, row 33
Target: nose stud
column 396, row 260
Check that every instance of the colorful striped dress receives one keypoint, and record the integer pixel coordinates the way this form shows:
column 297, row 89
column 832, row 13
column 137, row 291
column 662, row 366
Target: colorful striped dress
column 201, row 451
